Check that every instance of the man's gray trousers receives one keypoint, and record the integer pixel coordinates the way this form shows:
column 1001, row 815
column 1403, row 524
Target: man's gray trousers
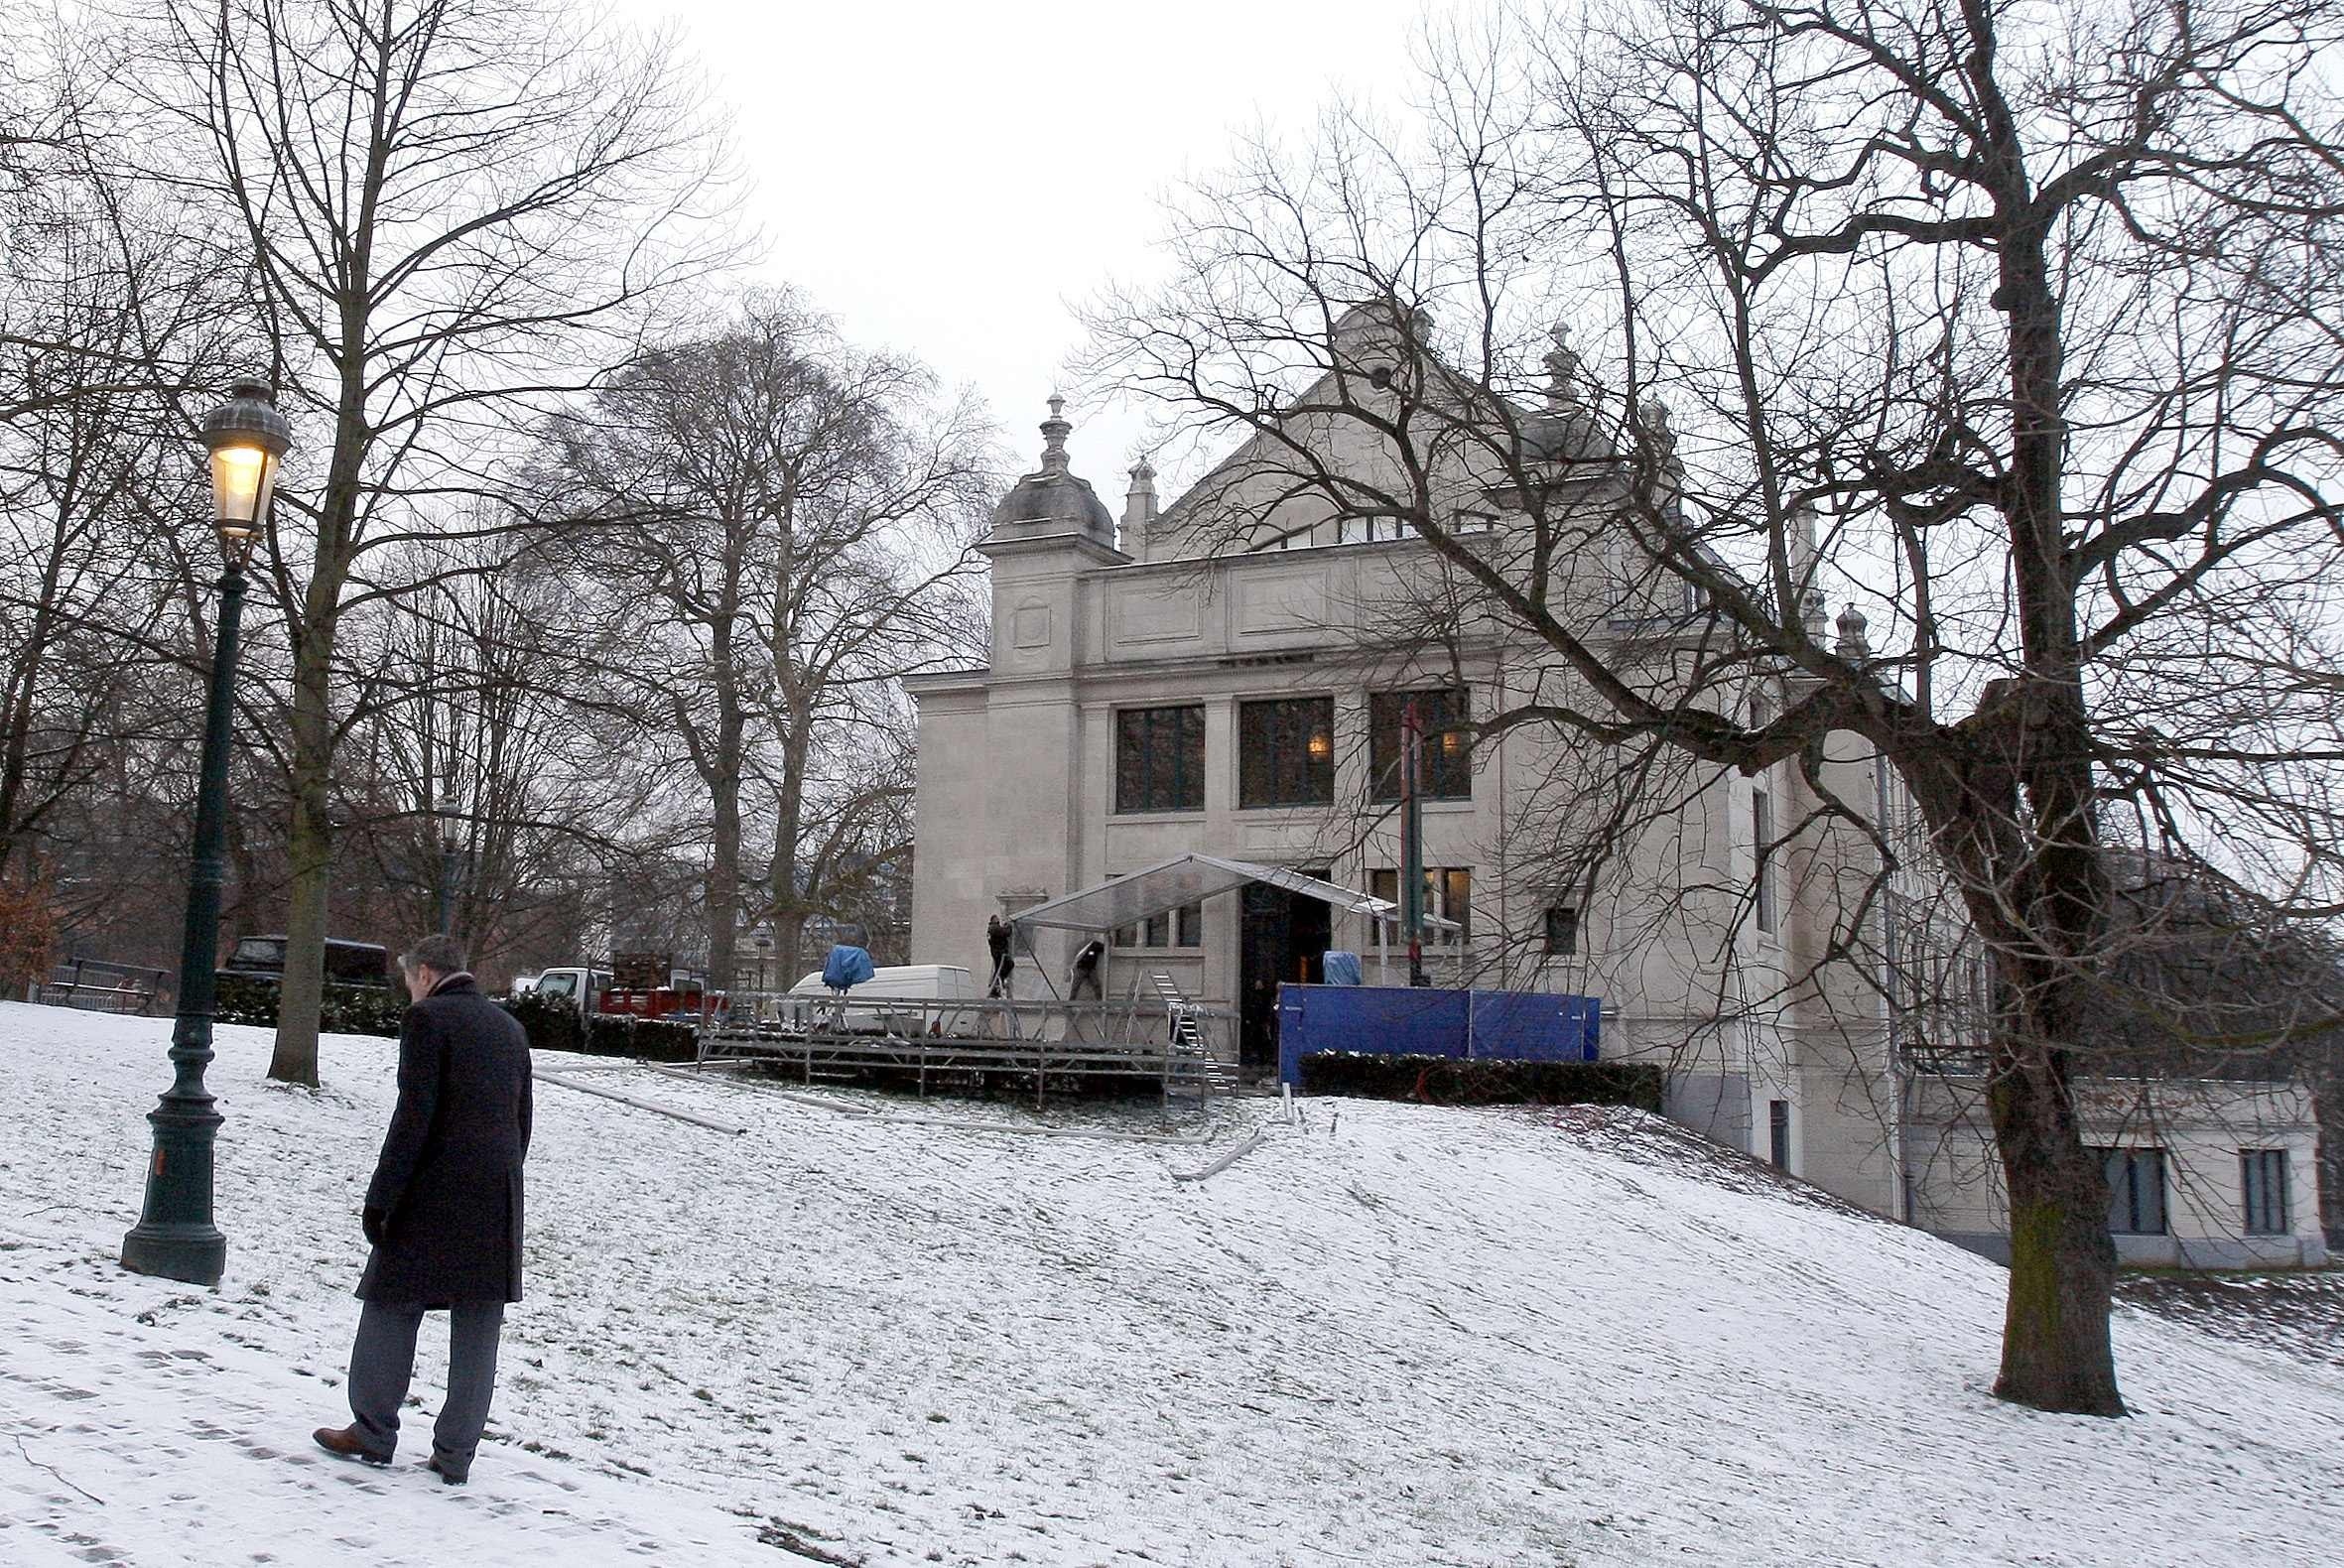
column 383, row 1360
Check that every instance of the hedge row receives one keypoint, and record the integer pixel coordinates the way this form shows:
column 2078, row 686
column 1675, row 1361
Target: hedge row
column 1439, row 1081
column 346, row 1010
column 553, row 1024
column 550, row 1023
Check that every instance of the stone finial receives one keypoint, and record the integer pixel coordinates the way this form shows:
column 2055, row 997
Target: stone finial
column 1562, row 368
column 1139, row 501
column 1651, row 419
column 1054, row 430
column 1853, row 643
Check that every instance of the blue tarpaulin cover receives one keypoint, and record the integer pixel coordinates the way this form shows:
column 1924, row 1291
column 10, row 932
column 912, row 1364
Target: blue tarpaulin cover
column 1404, row 1020
column 845, row 967
column 1343, row 968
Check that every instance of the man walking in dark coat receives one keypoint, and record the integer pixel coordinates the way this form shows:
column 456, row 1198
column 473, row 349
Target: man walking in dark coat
column 443, row 1213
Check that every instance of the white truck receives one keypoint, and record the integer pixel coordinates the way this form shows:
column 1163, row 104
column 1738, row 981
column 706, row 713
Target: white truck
column 582, row 988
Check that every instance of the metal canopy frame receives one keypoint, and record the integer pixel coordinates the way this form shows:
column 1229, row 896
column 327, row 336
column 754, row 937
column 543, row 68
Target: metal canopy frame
column 1186, row 878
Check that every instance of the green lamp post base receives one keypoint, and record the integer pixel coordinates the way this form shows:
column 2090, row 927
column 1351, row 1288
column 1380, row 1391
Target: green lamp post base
column 194, row 1253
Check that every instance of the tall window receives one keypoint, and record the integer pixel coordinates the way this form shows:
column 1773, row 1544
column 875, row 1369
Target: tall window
column 1779, row 1133
column 2264, row 1175
column 2136, row 1190
column 1562, row 928
column 1176, row 928
column 1448, row 894
column 1446, row 771
column 1160, row 759
column 1286, row 753
column 1762, row 826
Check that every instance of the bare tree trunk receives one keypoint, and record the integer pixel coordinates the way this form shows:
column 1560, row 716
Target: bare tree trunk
column 309, row 850
column 790, row 902
column 789, row 940
column 2033, row 888
column 723, row 886
column 2055, row 1348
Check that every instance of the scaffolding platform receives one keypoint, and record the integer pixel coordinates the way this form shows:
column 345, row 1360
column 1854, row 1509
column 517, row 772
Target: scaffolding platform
column 1185, row 1049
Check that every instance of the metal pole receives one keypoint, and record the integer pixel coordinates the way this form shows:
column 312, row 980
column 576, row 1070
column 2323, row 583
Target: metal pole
column 1412, row 842
column 443, row 920
column 175, row 1236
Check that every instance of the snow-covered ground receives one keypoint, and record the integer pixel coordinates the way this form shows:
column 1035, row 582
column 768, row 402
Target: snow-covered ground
column 1396, row 1336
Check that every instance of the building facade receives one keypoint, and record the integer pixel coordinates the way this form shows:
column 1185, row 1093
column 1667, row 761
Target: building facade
column 1232, row 674
column 1147, row 696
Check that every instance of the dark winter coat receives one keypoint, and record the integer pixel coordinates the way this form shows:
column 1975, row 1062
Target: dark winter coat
column 448, row 1181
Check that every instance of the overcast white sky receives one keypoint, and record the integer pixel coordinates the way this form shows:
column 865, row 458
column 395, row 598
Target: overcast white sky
column 949, row 179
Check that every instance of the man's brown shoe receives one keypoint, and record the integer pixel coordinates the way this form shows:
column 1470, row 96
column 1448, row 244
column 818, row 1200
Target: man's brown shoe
column 343, row 1441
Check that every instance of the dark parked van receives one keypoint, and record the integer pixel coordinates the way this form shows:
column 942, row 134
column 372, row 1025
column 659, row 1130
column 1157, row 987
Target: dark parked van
column 346, row 963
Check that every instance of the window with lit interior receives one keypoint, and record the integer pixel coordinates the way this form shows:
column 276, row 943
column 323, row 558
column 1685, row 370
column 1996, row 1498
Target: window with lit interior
column 1446, row 769
column 1286, row 753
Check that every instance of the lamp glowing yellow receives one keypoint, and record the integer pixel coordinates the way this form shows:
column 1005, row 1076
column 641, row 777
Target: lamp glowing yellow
column 247, row 438
column 1321, row 745
column 241, row 479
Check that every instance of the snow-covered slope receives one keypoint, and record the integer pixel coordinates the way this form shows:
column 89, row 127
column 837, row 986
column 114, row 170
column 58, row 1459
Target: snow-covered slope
column 1397, row 1336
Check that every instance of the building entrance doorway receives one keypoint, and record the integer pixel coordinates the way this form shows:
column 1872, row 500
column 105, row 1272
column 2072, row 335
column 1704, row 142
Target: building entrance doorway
column 1283, row 936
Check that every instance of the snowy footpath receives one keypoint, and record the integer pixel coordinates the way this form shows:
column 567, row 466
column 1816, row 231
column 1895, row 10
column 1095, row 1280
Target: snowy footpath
column 1392, row 1335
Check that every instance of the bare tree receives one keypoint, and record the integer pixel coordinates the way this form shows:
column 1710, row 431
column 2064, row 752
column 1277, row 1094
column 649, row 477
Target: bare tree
column 102, row 308
column 783, row 523
column 480, row 771
column 450, row 213
column 2014, row 326
column 854, row 834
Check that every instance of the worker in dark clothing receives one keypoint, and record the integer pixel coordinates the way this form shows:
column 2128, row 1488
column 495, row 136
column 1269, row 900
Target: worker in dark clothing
column 997, row 941
column 1082, row 974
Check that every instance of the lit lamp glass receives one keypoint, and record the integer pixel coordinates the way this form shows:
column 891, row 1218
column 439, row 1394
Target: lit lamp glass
column 247, row 438
column 1322, row 746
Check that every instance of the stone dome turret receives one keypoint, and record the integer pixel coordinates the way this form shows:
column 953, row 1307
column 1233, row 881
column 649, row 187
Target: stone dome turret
column 1053, row 500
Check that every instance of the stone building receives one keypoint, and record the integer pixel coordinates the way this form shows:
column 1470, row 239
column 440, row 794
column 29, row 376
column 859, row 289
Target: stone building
column 1228, row 674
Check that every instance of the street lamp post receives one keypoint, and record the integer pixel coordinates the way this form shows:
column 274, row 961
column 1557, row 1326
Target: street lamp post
column 175, row 1236
column 449, row 847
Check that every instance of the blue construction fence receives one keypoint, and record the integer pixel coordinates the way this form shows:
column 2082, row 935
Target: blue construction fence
column 1414, row 1020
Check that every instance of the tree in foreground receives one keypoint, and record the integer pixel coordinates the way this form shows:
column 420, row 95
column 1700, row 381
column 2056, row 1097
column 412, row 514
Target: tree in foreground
column 2013, row 323
column 452, row 213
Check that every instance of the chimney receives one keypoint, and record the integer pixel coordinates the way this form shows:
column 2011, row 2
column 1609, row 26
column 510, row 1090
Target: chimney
column 1802, row 555
column 1139, row 502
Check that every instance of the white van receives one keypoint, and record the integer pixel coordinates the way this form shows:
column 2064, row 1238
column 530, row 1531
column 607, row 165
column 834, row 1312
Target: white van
column 907, row 982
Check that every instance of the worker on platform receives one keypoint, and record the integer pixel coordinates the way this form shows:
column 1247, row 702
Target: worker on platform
column 996, row 942
column 1083, row 974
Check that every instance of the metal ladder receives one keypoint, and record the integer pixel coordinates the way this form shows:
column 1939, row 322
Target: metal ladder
column 1192, row 1067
